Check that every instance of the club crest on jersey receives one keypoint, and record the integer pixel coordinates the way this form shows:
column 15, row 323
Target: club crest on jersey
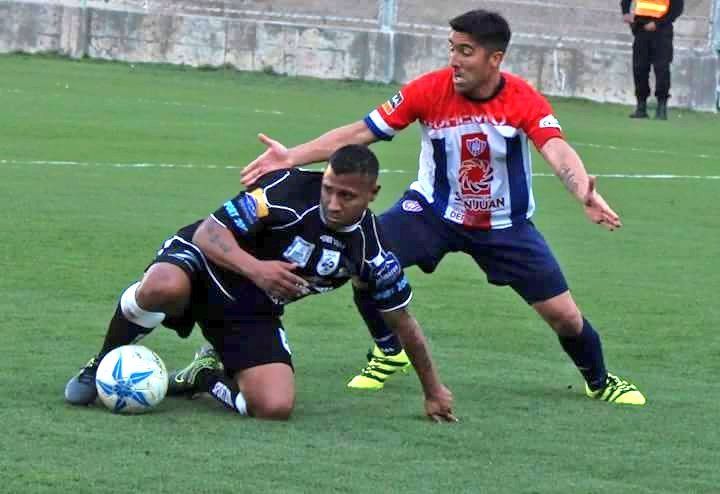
column 411, row 206
column 391, row 105
column 476, row 146
column 329, row 262
column 299, row 251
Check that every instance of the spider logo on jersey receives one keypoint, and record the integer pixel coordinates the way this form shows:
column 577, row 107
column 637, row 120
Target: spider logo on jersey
column 475, row 177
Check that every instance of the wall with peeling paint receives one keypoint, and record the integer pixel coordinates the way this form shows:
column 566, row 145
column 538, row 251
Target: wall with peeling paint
column 576, row 48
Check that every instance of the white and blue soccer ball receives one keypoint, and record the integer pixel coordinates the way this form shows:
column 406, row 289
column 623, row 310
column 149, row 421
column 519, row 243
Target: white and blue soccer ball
column 131, row 379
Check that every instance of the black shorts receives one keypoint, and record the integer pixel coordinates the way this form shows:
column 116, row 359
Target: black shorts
column 243, row 336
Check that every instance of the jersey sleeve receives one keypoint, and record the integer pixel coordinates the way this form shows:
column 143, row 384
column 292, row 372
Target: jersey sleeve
column 382, row 271
column 245, row 214
column 396, row 113
column 540, row 124
column 389, row 287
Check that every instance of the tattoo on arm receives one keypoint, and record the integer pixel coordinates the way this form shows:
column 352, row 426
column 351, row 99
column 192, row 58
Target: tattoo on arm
column 215, row 238
column 568, row 178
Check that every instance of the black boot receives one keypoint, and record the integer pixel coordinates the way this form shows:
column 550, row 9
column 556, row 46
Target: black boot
column 640, row 110
column 661, row 112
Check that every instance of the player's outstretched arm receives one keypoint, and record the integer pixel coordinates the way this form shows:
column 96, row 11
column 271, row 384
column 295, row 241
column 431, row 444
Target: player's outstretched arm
column 274, row 277
column 568, row 166
column 438, row 398
column 278, row 157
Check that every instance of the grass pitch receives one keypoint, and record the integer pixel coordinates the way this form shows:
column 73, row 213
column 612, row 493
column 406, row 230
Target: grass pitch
column 99, row 162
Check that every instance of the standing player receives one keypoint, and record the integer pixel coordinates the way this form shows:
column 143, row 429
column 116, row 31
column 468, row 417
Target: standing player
column 474, row 192
column 297, row 233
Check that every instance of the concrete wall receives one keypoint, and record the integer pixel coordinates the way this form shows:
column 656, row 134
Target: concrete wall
column 570, row 48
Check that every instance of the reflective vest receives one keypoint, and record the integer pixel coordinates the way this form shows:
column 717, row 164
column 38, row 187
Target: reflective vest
column 654, row 9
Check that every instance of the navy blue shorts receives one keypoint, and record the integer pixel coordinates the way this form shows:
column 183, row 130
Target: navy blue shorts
column 517, row 256
column 243, row 336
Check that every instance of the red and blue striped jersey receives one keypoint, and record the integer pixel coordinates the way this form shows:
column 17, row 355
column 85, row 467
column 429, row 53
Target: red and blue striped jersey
column 475, row 165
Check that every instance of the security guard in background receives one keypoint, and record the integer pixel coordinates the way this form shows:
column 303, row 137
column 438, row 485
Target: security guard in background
column 651, row 22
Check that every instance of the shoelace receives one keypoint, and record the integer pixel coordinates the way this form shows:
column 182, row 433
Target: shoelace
column 377, row 367
column 619, row 384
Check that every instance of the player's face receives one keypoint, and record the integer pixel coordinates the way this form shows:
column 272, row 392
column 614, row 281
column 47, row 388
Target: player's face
column 344, row 198
column 474, row 67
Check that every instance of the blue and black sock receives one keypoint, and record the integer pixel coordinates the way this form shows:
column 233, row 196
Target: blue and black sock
column 585, row 350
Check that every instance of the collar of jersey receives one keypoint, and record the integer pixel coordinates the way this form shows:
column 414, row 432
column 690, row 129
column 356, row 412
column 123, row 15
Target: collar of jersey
column 500, row 87
column 344, row 229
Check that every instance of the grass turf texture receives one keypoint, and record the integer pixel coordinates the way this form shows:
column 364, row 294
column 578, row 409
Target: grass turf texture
column 74, row 235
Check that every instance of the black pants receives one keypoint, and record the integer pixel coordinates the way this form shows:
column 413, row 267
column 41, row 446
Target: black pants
column 652, row 48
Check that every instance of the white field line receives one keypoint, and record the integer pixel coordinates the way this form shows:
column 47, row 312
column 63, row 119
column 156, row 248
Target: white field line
column 184, row 104
column 645, row 151
column 179, row 104
column 663, row 176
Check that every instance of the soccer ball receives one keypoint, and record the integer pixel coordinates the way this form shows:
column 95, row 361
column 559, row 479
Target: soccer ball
column 131, row 379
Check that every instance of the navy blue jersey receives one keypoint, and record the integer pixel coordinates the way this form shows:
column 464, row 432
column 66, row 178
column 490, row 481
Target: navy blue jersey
column 281, row 219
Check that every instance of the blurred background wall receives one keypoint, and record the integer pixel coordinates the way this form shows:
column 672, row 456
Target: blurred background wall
column 577, row 48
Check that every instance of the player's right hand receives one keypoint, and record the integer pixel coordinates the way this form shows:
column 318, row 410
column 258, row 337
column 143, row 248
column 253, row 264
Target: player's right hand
column 277, row 279
column 275, row 157
column 628, row 18
column 438, row 406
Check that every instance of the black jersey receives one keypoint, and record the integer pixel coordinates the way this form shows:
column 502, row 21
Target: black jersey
column 281, row 219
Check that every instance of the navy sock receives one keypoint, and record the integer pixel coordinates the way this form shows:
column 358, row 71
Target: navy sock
column 586, row 351
column 384, row 338
column 223, row 390
column 121, row 332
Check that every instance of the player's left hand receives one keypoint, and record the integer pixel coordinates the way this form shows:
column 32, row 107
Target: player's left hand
column 438, row 406
column 597, row 210
column 650, row 26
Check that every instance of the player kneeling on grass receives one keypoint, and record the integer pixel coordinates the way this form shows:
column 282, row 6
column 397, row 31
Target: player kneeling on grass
column 296, row 233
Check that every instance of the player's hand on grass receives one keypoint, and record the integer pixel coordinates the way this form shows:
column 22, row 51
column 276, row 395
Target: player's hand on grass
column 275, row 157
column 597, row 210
column 438, row 406
column 277, row 279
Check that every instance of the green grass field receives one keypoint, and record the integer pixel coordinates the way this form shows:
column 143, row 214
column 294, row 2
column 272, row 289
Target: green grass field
column 99, row 162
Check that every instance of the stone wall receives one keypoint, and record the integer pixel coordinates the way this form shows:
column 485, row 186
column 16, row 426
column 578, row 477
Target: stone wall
column 569, row 48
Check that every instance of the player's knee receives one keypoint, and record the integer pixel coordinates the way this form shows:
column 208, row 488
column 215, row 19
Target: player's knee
column 275, row 408
column 161, row 288
column 566, row 322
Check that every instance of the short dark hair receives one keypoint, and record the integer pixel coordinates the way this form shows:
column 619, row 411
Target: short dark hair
column 489, row 29
column 355, row 158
